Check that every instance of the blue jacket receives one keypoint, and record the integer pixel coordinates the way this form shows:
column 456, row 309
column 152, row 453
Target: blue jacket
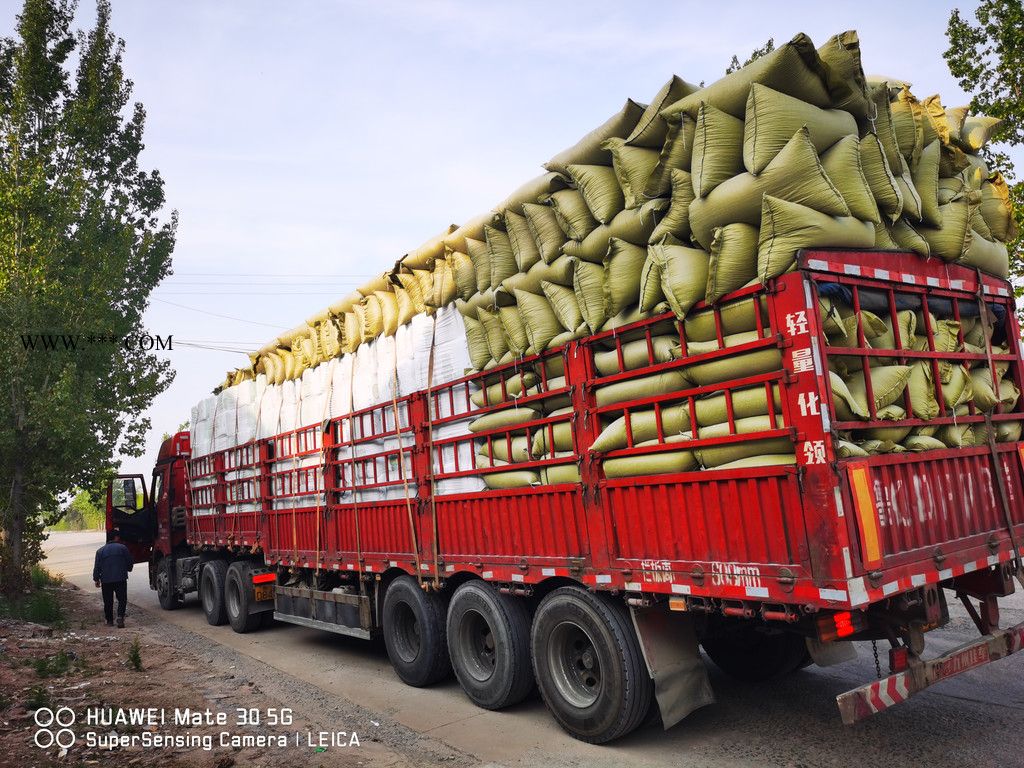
column 113, row 561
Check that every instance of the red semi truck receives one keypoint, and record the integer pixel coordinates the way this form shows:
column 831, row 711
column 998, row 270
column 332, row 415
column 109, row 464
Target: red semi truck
column 600, row 591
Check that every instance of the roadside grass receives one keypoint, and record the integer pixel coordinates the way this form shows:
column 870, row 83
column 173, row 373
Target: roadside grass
column 38, row 698
column 40, row 605
column 135, row 655
column 52, row 666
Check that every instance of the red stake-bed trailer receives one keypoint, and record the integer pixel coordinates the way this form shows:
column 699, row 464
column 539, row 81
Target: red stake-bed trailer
column 769, row 567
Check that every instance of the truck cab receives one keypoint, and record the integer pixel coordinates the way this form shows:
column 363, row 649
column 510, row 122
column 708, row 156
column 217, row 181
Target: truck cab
column 149, row 516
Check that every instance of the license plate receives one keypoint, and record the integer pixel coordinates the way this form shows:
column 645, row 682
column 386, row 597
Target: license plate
column 264, row 592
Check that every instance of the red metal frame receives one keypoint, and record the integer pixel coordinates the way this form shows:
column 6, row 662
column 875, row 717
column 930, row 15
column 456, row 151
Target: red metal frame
column 763, row 536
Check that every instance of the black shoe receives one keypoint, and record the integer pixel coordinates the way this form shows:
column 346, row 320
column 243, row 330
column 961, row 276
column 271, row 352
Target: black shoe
column 110, row 623
column 120, row 622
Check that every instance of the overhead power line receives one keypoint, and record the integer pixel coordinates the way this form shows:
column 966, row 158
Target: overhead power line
column 215, row 314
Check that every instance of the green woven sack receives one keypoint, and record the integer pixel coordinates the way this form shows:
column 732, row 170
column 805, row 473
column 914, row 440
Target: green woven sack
column 636, row 354
column 746, row 403
column 977, row 131
column 675, row 155
column 887, row 385
column 464, row 273
column 652, row 129
column 664, row 463
column 844, row 74
column 573, row 215
column 634, row 225
column 563, row 304
column 794, row 175
column 793, row 68
column 907, row 123
column 515, row 331
column 909, row 239
column 476, row 341
column 737, row 316
column 634, row 167
column 600, row 190
column 562, row 432
column 883, row 238
column 643, row 424
column 717, row 149
column 676, row 221
column 735, row 367
column 882, row 127
column 652, row 296
column 502, row 257
column 847, row 407
column 497, row 342
column 713, row 456
column 588, row 283
column 733, row 261
column 773, row 460
column 987, row 255
column 926, row 181
column 772, row 118
column 684, row 274
column 557, row 474
column 635, row 389
column 521, row 478
column 480, row 255
column 958, row 390
column 996, row 208
column 622, row 266
column 524, row 247
column 588, row 151
column 918, row 443
column 503, row 419
column 547, row 234
column 500, row 451
column 842, row 164
column 880, row 177
column 539, row 318
column 951, row 240
column 788, row 227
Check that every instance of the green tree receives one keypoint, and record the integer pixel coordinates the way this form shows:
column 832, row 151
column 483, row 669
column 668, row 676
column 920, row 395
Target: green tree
column 756, row 54
column 986, row 57
column 80, row 514
column 82, row 245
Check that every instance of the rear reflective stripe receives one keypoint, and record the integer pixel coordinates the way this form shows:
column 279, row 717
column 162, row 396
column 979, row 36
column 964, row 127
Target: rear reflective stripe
column 867, row 517
column 263, row 578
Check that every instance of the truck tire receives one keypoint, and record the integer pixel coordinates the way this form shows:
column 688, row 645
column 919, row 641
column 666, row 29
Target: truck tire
column 169, row 598
column 752, row 656
column 489, row 645
column 414, row 633
column 589, row 666
column 238, row 597
column 211, row 592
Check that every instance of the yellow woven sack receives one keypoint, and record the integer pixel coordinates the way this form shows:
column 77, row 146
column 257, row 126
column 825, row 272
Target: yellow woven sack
column 717, row 149
column 733, row 261
column 842, row 164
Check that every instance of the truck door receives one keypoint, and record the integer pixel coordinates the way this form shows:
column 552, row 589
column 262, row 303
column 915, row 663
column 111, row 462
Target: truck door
column 130, row 513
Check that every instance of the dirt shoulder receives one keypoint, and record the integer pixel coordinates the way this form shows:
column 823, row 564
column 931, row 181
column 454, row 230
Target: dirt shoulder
column 85, row 668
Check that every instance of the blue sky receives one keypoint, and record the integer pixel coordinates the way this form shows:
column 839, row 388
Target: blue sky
column 308, row 145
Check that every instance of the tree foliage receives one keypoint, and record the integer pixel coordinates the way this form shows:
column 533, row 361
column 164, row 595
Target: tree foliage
column 986, row 57
column 756, row 54
column 82, row 245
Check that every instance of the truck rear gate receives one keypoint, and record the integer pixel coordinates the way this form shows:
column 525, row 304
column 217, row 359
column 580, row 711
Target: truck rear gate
column 824, row 536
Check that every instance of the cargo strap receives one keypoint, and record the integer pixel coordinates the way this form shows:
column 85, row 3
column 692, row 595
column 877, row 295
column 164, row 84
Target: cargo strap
column 352, row 475
column 401, row 472
column 990, row 430
column 430, row 453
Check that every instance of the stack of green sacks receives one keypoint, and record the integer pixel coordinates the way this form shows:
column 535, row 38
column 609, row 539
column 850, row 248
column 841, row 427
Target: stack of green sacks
column 988, row 388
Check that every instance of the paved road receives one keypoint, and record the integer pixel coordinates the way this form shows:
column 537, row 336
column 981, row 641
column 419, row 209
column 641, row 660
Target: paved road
column 974, row 720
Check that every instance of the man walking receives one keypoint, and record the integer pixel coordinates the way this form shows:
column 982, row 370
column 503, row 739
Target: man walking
column 113, row 561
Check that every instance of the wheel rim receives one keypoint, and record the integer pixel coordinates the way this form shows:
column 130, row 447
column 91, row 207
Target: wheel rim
column 476, row 640
column 407, row 633
column 234, row 599
column 162, row 586
column 207, row 593
column 575, row 665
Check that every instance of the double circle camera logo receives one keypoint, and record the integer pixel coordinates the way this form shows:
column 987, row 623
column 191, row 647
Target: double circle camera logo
column 54, row 727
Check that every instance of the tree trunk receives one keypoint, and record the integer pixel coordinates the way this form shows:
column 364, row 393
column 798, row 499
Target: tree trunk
column 14, row 529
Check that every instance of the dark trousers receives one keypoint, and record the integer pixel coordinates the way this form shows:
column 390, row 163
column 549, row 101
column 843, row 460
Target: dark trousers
column 111, row 588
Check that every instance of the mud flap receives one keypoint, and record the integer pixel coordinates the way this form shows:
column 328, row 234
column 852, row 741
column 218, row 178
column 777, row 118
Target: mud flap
column 670, row 648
